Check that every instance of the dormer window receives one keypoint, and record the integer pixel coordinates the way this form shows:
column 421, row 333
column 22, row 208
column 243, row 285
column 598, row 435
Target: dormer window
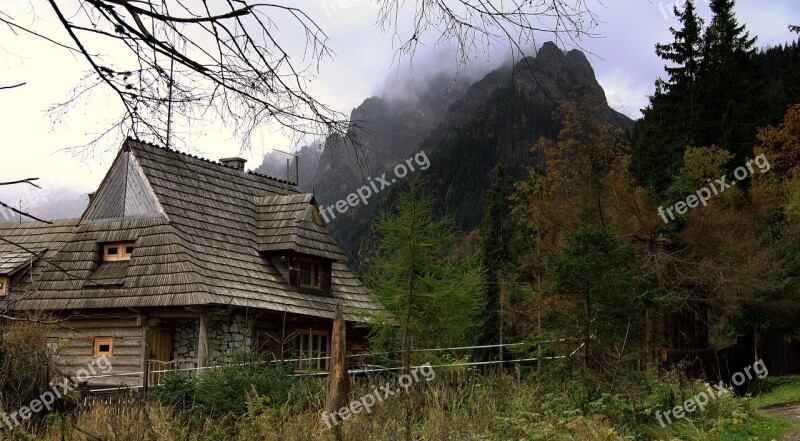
column 117, row 251
column 310, row 273
column 3, row 285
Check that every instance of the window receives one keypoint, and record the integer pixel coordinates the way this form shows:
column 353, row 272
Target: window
column 3, row 285
column 103, row 346
column 117, row 251
column 311, row 274
column 311, row 350
column 307, row 273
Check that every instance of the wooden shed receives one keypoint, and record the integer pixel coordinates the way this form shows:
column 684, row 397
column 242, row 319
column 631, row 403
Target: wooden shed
column 177, row 262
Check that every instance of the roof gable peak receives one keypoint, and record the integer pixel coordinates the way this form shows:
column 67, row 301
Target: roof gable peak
column 124, row 193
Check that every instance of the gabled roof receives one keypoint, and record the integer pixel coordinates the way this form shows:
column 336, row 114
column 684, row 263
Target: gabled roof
column 289, row 223
column 200, row 240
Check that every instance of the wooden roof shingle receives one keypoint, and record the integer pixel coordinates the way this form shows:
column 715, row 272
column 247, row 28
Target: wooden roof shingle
column 200, row 230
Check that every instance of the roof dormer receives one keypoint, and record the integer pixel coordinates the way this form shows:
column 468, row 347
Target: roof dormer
column 293, row 223
column 14, row 264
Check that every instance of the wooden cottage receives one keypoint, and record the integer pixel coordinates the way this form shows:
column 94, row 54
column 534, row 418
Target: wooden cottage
column 179, row 261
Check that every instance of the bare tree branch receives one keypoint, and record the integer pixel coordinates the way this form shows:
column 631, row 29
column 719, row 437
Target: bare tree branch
column 22, row 181
column 231, row 61
column 11, row 87
column 23, row 213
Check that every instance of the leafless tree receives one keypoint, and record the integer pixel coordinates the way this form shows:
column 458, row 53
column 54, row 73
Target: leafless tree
column 234, row 59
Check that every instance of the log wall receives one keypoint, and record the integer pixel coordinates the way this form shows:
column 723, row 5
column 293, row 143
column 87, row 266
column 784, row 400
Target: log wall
column 75, row 343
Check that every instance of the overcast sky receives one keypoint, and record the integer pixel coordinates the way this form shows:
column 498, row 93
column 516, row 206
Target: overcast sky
column 31, row 143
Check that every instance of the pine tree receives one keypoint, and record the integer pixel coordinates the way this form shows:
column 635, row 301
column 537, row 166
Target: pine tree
column 727, row 83
column 434, row 298
column 671, row 121
column 496, row 231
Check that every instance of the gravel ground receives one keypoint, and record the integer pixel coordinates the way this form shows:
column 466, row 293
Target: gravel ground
column 790, row 412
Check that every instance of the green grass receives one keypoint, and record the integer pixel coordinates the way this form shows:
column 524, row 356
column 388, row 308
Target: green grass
column 753, row 429
column 777, row 390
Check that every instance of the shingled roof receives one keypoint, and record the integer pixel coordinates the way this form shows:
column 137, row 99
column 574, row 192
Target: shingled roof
column 201, row 233
column 290, row 223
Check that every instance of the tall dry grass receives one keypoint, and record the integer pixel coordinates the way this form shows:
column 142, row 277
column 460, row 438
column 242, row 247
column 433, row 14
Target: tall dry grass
column 499, row 409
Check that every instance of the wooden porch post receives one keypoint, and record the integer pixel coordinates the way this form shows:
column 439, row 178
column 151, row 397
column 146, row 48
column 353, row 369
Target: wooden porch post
column 202, row 342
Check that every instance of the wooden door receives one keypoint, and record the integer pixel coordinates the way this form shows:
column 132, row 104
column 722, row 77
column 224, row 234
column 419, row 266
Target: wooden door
column 161, row 344
column 161, row 341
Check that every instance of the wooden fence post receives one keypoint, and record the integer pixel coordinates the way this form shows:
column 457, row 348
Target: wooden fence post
column 145, row 377
column 338, row 380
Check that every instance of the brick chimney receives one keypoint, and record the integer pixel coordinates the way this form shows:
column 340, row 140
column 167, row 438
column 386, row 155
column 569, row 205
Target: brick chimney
column 234, row 163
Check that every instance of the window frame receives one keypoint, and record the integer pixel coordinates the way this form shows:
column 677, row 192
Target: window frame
column 5, row 282
column 121, row 252
column 101, row 341
column 313, row 275
column 319, row 274
column 306, row 351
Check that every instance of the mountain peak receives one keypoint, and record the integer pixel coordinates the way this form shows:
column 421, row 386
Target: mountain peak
column 549, row 52
column 554, row 73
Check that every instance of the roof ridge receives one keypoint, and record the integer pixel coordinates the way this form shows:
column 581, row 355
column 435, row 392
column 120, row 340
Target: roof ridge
column 211, row 161
column 53, row 222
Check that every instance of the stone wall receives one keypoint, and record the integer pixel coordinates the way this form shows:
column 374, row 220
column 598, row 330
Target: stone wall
column 186, row 334
column 226, row 333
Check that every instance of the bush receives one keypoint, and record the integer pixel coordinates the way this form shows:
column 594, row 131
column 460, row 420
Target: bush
column 26, row 367
column 226, row 389
column 176, row 389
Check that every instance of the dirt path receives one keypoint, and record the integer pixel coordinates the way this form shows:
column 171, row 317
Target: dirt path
column 789, row 412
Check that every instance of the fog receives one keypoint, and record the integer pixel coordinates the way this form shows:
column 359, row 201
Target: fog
column 365, row 63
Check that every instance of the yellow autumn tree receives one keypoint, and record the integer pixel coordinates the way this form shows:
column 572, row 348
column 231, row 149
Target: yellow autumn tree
column 583, row 181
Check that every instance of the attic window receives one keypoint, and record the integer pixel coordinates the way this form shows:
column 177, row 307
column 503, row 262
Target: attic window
column 117, row 251
column 310, row 273
column 103, row 346
column 3, row 285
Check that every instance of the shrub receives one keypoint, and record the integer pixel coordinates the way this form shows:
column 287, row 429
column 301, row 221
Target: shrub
column 225, row 389
column 176, row 389
column 26, row 367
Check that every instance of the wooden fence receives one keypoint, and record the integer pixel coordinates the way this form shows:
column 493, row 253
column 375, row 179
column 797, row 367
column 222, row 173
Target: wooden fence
column 117, row 402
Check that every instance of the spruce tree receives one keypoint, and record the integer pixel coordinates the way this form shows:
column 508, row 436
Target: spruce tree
column 434, row 298
column 727, row 83
column 671, row 121
column 496, row 231
column 686, row 54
